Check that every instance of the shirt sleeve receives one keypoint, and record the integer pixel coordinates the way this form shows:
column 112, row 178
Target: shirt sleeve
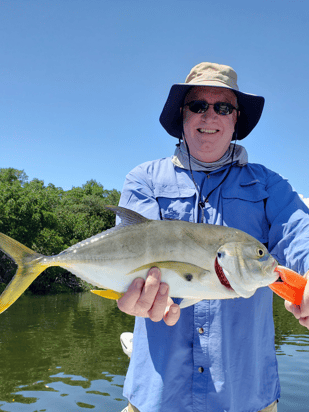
column 288, row 217
column 138, row 193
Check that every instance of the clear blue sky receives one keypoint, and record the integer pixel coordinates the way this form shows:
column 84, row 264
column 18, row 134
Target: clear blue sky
column 83, row 82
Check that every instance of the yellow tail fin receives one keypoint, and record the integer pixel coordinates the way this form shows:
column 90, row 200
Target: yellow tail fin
column 108, row 294
column 30, row 266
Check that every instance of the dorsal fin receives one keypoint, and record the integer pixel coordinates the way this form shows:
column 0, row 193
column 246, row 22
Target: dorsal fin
column 127, row 216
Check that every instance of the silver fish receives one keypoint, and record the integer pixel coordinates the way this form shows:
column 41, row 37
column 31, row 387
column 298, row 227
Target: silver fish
column 198, row 261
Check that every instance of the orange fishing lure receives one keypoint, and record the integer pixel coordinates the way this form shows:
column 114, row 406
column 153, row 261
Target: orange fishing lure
column 290, row 286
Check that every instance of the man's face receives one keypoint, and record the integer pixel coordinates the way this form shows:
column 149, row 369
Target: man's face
column 209, row 134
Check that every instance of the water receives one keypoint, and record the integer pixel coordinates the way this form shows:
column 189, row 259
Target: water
column 62, row 353
column 292, row 346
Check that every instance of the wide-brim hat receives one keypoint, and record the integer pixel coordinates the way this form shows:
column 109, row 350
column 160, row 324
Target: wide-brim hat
column 214, row 75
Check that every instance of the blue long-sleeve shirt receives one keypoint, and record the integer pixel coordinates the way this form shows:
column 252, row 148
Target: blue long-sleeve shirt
column 220, row 356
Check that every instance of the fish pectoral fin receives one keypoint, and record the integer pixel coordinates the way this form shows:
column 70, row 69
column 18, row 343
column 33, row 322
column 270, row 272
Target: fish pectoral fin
column 188, row 302
column 108, row 294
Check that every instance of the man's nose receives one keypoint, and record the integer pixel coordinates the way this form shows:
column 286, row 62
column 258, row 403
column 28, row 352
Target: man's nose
column 210, row 112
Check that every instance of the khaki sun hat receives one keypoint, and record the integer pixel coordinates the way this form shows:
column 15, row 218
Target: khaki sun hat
column 214, row 75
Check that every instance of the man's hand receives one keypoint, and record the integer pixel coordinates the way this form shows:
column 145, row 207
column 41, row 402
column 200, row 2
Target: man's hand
column 149, row 299
column 301, row 312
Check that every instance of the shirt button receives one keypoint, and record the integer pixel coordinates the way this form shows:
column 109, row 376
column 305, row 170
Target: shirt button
column 201, row 369
column 200, row 330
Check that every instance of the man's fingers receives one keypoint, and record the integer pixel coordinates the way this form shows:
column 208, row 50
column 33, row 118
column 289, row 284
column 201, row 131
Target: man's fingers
column 297, row 312
column 128, row 301
column 150, row 299
column 304, row 322
column 156, row 313
column 295, row 309
column 171, row 317
column 150, row 290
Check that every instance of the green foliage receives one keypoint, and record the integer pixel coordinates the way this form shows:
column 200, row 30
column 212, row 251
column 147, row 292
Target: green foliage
column 48, row 219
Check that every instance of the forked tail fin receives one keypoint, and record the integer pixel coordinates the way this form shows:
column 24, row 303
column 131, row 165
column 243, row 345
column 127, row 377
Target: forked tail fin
column 30, row 266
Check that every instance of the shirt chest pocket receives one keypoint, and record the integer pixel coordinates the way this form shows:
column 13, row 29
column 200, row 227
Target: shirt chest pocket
column 244, row 209
column 176, row 202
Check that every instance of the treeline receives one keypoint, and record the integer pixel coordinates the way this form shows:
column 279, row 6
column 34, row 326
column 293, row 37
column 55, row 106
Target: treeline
column 48, row 220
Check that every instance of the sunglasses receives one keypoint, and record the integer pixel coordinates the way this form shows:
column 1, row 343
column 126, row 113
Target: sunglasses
column 200, row 106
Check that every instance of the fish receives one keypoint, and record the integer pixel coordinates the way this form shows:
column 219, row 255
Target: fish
column 197, row 261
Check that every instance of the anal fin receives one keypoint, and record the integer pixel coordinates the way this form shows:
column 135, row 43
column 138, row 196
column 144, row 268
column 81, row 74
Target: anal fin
column 108, row 294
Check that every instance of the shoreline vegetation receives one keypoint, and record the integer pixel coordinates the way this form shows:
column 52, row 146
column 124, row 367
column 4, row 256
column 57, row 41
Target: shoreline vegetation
column 48, row 220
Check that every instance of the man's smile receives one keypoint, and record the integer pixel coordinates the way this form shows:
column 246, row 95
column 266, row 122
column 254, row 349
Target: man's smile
column 207, row 131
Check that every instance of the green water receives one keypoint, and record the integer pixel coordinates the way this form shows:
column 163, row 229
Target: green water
column 62, row 353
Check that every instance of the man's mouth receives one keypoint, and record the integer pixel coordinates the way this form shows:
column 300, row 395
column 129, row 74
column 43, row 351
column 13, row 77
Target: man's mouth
column 210, row 131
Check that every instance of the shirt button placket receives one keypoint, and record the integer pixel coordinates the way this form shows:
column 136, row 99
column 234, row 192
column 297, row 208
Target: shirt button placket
column 201, row 331
column 200, row 356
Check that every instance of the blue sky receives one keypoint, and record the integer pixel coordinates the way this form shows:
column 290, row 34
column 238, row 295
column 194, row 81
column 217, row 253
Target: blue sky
column 83, row 82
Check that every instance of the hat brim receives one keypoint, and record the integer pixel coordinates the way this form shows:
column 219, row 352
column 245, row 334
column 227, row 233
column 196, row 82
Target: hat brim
column 250, row 107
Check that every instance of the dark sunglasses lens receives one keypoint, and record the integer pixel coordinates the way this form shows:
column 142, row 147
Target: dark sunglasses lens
column 223, row 108
column 198, row 107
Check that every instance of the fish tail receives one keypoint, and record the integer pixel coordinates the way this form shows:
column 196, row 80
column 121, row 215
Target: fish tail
column 30, row 266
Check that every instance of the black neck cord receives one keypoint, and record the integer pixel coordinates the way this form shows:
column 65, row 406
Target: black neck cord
column 201, row 203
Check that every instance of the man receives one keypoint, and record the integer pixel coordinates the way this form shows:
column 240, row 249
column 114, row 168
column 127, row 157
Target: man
column 219, row 355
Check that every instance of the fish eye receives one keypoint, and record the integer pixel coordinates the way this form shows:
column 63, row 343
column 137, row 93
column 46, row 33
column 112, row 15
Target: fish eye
column 188, row 277
column 260, row 252
column 219, row 254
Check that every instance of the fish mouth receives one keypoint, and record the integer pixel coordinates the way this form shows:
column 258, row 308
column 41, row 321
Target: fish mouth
column 221, row 276
column 281, row 276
